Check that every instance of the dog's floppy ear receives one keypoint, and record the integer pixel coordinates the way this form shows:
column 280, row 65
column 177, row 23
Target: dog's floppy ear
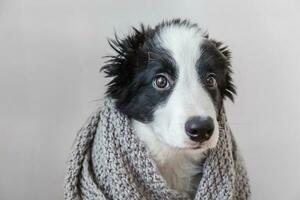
column 229, row 90
column 119, row 67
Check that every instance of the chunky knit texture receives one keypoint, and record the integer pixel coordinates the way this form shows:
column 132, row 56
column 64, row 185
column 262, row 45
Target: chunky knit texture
column 108, row 161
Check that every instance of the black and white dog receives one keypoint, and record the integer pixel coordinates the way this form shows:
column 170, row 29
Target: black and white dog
column 171, row 80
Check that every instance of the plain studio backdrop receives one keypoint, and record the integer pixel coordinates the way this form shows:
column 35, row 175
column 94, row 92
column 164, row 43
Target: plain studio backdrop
column 51, row 53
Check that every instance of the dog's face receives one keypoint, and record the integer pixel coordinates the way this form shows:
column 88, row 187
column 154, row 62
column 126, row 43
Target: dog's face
column 173, row 79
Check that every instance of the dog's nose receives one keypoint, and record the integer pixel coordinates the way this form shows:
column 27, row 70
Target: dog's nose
column 199, row 129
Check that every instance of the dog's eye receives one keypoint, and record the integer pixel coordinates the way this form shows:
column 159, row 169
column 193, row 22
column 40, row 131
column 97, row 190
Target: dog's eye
column 161, row 82
column 210, row 81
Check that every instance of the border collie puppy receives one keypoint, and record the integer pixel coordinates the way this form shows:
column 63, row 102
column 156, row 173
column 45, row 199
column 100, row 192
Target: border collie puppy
column 171, row 81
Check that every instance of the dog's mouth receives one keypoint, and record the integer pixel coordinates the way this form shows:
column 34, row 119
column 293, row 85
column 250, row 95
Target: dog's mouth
column 196, row 147
column 193, row 145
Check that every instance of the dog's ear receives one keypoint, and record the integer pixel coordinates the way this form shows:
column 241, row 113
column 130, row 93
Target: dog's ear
column 120, row 67
column 229, row 90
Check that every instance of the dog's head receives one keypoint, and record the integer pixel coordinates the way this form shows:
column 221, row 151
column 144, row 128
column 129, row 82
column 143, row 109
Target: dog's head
column 172, row 78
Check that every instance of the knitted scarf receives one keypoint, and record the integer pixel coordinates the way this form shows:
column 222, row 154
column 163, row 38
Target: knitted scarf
column 108, row 161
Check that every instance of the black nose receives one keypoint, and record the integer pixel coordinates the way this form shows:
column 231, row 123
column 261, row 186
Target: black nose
column 199, row 128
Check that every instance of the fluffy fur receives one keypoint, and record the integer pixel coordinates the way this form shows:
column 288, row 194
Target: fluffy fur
column 190, row 61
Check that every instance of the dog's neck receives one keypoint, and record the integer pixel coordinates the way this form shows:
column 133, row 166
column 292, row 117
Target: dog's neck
column 181, row 168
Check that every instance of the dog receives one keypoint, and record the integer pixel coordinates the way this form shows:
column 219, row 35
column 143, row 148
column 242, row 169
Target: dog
column 171, row 81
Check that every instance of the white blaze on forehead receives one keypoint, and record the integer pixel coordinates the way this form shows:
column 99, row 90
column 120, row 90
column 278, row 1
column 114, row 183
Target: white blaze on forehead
column 182, row 42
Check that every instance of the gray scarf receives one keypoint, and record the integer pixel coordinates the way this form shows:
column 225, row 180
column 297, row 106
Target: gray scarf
column 108, row 161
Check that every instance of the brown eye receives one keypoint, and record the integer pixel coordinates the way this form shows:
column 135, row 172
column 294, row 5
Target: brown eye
column 161, row 82
column 210, row 81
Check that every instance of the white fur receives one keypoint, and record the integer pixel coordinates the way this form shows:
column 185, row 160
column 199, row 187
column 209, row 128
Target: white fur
column 165, row 136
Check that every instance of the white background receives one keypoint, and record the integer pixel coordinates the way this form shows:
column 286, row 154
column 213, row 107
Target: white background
column 50, row 55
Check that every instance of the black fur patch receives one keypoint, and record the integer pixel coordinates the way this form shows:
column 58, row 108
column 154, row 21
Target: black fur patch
column 215, row 58
column 139, row 59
